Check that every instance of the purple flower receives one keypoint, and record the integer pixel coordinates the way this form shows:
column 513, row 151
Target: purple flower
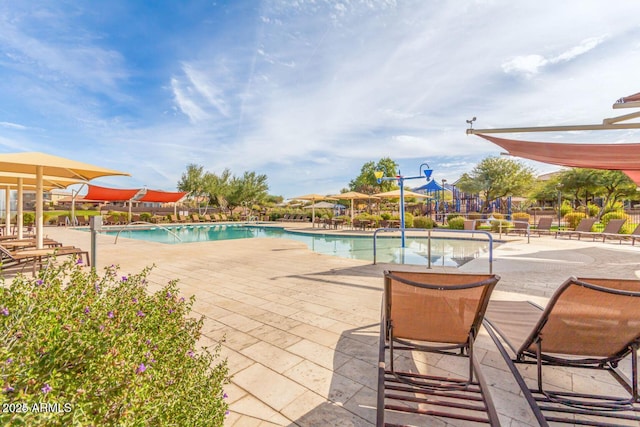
column 140, row 313
column 224, row 396
column 101, row 328
column 170, row 310
column 46, row 389
column 86, row 310
column 39, row 282
column 190, row 353
column 134, row 300
column 9, row 360
column 124, row 278
column 5, row 311
column 110, row 315
column 182, row 299
column 79, row 261
column 141, row 369
column 168, row 294
column 148, row 342
column 226, row 412
column 9, row 389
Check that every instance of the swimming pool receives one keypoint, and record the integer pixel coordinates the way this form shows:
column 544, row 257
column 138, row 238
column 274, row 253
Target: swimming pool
column 444, row 252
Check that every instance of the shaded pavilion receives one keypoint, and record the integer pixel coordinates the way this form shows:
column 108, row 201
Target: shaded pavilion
column 106, row 194
column 38, row 165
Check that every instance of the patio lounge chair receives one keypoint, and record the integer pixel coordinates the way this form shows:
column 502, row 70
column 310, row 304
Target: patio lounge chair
column 584, row 226
column 544, row 226
column 520, row 228
column 613, row 227
column 588, row 323
column 437, row 313
column 36, row 256
column 207, row 218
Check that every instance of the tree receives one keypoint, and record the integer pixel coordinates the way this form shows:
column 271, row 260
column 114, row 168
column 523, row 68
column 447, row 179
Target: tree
column 193, row 181
column 497, row 177
column 250, row 188
column 612, row 186
column 367, row 183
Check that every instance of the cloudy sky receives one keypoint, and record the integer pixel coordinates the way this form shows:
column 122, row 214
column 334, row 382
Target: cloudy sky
column 304, row 91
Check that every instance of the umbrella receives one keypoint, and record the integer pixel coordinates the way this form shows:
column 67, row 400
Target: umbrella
column 37, row 165
column 21, row 181
column 313, row 197
column 395, row 194
column 353, row 195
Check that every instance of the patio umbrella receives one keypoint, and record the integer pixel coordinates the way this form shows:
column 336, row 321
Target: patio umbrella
column 313, row 198
column 20, row 182
column 37, row 165
column 354, row 195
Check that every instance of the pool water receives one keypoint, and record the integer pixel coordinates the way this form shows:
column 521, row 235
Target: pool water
column 444, row 252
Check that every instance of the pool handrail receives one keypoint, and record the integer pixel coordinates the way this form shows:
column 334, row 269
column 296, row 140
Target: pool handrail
column 429, row 230
column 144, row 222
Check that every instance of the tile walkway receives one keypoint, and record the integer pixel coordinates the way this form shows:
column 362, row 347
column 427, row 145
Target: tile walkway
column 300, row 329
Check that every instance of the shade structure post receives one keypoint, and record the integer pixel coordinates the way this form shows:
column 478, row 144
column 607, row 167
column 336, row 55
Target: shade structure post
column 39, row 207
column 20, row 218
column 7, row 210
column 401, row 182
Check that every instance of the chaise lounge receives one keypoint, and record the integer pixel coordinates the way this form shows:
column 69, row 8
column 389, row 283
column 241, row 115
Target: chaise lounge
column 437, row 313
column 588, row 323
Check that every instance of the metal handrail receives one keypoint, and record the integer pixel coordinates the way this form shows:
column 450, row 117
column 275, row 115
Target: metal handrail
column 429, row 230
column 144, row 222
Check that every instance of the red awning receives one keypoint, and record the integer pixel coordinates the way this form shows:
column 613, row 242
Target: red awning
column 630, row 98
column 162, row 196
column 623, row 157
column 110, row 194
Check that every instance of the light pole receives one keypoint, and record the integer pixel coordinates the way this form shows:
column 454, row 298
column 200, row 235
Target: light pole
column 559, row 187
column 426, row 173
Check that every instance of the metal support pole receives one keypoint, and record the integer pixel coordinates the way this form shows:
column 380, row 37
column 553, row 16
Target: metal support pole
column 95, row 225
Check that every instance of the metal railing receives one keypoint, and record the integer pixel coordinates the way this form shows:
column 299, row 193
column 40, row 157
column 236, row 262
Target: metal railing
column 429, row 231
column 144, row 222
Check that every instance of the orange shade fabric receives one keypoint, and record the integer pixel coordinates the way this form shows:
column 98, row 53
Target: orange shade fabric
column 162, row 196
column 110, row 194
column 623, row 157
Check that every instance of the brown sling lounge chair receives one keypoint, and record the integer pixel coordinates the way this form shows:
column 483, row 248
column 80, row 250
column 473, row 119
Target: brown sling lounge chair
column 584, row 226
column 437, row 313
column 613, row 227
column 588, row 323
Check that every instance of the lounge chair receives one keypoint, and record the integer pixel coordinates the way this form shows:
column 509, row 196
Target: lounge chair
column 207, row 218
column 520, row 228
column 438, row 313
column 82, row 220
column 584, row 226
column 36, row 256
column 195, row 218
column 613, row 227
column 588, row 323
column 544, row 226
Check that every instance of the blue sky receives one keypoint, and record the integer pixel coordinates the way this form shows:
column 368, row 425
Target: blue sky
column 304, row 91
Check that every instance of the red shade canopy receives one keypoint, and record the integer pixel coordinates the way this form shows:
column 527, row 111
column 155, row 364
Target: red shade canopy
column 162, row 196
column 110, row 194
column 623, row 157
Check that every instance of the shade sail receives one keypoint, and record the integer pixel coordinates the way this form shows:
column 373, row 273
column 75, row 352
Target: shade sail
column 53, row 166
column 28, row 181
column 110, row 194
column 157, row 196
column 623, row 157
column 430, row 186
column 396, row 194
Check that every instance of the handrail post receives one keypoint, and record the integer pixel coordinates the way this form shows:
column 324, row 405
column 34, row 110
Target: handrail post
column 429, row 249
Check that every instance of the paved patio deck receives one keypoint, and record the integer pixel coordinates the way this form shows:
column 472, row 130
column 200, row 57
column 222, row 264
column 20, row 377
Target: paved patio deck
column 302, row 328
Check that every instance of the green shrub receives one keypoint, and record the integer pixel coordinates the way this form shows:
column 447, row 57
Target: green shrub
column 28, row 218
column 146, row 216
column 386, row 216
column 592, row 209
column 106, row 350
column 456, row 223
column 452, row 215
column 566, row 208
column 495, row 225
column 408, row 220
column 521, row 216
column 497, row 215
column 423, row 222
column 613, row 215
column 573, row 219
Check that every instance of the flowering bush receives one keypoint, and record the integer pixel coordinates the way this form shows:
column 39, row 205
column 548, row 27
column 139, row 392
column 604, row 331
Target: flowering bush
column 81, row 348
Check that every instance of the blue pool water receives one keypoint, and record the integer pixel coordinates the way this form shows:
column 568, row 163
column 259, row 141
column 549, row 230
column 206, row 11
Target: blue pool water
column 445, row 252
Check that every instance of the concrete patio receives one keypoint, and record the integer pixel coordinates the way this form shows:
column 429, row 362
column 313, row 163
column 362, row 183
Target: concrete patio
column 300, row 329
